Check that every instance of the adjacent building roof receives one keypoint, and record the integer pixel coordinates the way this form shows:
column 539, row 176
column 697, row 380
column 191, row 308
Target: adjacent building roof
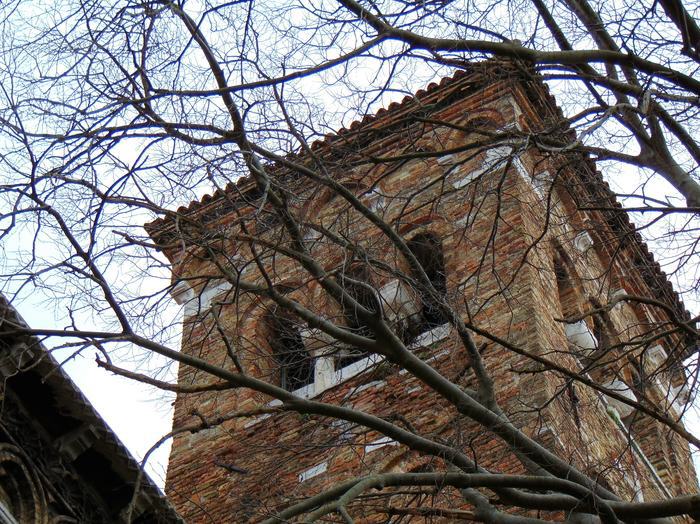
column 65, row 418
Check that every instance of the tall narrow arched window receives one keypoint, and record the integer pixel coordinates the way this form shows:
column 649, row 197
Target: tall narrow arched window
column 427, row 249
column 579, row 332
column 602, row 331
column 295, row 364
column 357, row 284
column 569, row 299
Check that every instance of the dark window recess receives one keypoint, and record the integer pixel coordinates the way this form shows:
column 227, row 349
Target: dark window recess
column 266, row 220
column 569, row 293
column 296, row 367
column 348, row 355
column 639, row 379
column 98, row 472
column 357, row 283
column 601, row 332
column 39, row 399
column 480, row 126
column 565, row 291
column 428, row 251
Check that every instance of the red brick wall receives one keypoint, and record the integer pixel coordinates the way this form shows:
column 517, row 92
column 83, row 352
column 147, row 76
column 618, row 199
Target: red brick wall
column 499, row 257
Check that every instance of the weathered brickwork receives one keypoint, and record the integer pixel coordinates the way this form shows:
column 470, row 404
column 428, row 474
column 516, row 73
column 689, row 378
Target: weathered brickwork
column 520, row 255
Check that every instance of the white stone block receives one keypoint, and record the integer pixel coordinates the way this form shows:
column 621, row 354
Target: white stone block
column 380, row 443
column 313, row 472
column 616, row 295
column 257, row 419
column 654, row 359
column 432, row 336
column 500, row 157
column 580, row 335
column 496, row 158
column 355, row 368
column 213, row 291
column 679, row 396
column 196, row 303
column 181, row 292
column 399, row 301
column 541, row 182
column 324, row 372
column 520, row 168
column 461, row 178
column 517, row 112
column 622, row 389
column 583, row 241
column 307, row 391
column 446, row 160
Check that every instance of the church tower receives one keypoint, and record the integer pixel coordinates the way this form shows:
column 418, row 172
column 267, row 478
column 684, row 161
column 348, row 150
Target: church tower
column 441, row 288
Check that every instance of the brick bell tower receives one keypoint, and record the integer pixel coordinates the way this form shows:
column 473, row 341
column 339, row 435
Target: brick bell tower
column 527, row 245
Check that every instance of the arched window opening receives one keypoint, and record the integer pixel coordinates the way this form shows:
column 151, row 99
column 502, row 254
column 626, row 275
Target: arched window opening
column 296, row 366
column 566, row 291
column 601, row 332
column 582, row 339
column 638, row 379
column 356, row 282
column 428, row 251
column 481, row 127
column 597, row 361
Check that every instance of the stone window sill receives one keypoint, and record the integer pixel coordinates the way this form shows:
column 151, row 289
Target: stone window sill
column 344, row 374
